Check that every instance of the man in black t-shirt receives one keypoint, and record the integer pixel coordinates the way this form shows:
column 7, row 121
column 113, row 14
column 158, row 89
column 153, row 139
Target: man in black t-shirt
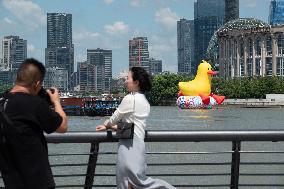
column 31, row 116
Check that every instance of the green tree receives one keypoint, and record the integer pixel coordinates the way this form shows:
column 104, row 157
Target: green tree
column 4, row 88
column 165, row 87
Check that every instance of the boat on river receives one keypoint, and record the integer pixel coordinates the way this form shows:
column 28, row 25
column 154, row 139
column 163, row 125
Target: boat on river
column 88, row 106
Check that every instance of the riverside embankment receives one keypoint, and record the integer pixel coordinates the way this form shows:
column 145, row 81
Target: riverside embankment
column 271, row 100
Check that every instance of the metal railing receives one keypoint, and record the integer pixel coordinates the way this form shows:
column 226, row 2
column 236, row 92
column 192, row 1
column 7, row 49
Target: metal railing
column 230, row 178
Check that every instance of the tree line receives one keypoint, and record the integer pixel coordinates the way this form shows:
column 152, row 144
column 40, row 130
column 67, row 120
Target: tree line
column 165, row 87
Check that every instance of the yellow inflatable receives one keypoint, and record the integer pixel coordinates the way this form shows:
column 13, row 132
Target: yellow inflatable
column 201, row 85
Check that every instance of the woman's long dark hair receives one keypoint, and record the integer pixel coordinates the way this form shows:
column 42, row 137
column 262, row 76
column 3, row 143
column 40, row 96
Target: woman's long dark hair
column 141, row 75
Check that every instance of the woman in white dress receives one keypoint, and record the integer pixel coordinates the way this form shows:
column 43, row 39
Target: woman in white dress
column 131, row 158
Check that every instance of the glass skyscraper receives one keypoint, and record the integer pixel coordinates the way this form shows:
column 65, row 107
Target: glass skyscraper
column 14, row 52
column 86, row 76
column 60, row 50
column 185, row 44
column 102, row 59
column 209, row 15
column 231, row 10
column 156, row 66
column 138, row 53
column 207, row 8
column 276, row 15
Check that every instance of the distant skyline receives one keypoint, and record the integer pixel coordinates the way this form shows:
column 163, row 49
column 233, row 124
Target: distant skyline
column 110, row 24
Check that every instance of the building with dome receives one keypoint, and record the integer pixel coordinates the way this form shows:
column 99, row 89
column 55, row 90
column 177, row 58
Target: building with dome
column 248, row 47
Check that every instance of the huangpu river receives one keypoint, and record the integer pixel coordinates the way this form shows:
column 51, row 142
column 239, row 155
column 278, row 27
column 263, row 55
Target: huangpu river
column 172, row 118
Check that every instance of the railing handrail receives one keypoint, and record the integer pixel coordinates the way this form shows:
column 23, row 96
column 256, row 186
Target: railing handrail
column 172, row 136
column 235, row 137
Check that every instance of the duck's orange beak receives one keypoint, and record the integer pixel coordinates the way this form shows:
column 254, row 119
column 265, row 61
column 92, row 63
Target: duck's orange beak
column 212, row 72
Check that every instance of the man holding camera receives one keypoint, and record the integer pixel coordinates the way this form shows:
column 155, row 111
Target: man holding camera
column 26, row 164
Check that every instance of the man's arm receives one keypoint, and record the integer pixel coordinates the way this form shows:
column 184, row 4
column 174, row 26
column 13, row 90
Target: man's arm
column 54, row 97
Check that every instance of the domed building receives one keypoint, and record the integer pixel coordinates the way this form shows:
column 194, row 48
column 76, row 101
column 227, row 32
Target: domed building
column 248, row 47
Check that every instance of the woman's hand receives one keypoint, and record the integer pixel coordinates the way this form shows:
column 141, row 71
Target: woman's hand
column 101, row 128
column 114, row 127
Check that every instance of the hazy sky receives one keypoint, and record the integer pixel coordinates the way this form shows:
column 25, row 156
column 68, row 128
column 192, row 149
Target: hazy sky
column 109, row 24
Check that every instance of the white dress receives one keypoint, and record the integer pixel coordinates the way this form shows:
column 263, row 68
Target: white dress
column 131, row 158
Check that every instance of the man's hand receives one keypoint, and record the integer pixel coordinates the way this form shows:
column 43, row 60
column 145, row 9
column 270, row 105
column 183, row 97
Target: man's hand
column 54, row 95
column 55, row 100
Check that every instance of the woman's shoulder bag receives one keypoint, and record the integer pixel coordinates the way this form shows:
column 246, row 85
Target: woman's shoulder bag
column 125, row 130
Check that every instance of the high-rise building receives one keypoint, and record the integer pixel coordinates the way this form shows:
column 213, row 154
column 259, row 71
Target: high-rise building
column 231, row 10
column 60, row 50
column 86, row 76
column 7, row 77
column 207, row 8
column 156, row 66
column 185, row 44
column 209, row 16
column 74, row 80
column 56, row 77
column 102, row 59
column 276, row 15
column 14, row 52
column 138, row 53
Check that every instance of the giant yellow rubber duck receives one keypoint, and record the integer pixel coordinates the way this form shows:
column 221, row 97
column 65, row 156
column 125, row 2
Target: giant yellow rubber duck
column 201, row 85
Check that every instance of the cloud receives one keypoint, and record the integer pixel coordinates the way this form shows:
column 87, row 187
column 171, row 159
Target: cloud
column 136, row 3
column 84, row 35
column 31, row 48
column 85, row 39
column 249, row 3
column 164, row 47
column 166, row 17
column 7, row 20
column 117, row 28
column 108, row 2
column 26, row 12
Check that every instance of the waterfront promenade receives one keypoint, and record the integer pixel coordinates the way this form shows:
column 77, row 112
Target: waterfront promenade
column 271, row 100
column 196, row 162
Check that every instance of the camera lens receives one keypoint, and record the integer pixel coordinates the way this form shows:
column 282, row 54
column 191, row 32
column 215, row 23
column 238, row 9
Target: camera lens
column 44, row 95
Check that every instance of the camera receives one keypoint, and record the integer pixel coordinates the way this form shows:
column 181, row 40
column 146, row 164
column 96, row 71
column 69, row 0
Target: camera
column 44, row 95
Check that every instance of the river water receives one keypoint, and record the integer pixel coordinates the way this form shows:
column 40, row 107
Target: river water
column 221, row 118
column 172, row 118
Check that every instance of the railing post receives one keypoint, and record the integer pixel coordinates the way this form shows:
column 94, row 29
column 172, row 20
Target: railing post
column 235, row 166
column 92, row 165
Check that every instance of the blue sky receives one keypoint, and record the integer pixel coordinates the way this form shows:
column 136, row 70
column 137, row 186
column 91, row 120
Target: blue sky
column 109, row 24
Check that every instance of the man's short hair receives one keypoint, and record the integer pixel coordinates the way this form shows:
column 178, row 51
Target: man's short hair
column 30, row 72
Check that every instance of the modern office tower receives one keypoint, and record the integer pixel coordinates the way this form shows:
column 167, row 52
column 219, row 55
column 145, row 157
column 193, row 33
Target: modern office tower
column 14, row 52
column 138, row 53
column 57, row 77
column 60, row 50
column 276, row 15
column 185, row 44
column 102, row 59
column 209, row 16
column 204, row 8
column 231, row 10
column 74, row 80
column 7, row 77
column 156, row 66
column 86, row 76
